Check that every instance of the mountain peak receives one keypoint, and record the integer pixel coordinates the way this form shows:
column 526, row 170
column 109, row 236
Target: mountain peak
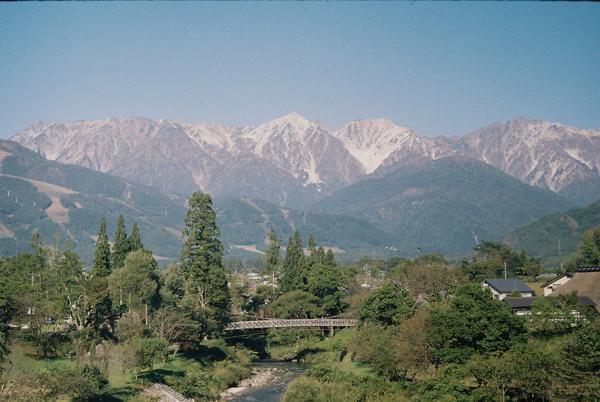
column 293, row 119
column 373, row 141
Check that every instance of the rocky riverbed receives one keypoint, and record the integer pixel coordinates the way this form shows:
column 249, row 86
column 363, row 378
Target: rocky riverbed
column 267, row 383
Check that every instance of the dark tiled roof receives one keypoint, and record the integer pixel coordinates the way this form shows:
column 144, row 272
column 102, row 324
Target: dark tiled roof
column 588, row 269
column 527, row 302
column 520, row 302
column 508, row 285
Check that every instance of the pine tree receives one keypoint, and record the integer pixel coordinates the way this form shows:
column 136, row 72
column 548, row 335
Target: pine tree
column 206, row 291
column 135, row 240
column 293, row 275
column 272, row 256
column 101, row 316
column 101, row 265
column 121, row 246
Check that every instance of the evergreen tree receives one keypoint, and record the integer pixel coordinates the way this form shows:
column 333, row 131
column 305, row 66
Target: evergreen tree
column 206, row 291
column 101, row 266
column 135, row 240
column 272, row 256
column 121, row 245
column 100, row 315
column 294, row 265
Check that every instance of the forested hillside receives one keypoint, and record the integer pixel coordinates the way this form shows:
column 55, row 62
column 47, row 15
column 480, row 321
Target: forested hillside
column 443, row 205
column 555, row 237
column 64, row 203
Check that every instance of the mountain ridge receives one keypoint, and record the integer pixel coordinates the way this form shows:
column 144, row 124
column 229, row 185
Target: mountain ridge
column 303, row 161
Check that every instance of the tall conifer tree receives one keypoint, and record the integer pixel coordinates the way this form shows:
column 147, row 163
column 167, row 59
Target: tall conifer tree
column 135, row 240
column 101, row 315
column 206, row 291
column 101, row 266
column 121, row 245
column 293, row 275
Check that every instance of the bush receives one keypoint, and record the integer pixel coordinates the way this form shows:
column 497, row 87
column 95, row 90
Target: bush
column 195, row 384
column 79, row 384
column 151, row 351
column 305, row 389
column 228, row 374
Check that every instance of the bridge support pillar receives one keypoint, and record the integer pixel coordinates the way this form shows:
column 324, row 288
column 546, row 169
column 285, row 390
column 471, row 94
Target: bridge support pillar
column 331, row 331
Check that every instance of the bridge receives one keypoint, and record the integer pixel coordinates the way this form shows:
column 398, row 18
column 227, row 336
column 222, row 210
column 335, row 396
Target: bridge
column 292, row 323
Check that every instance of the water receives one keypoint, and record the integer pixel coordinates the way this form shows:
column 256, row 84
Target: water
column 284, row 373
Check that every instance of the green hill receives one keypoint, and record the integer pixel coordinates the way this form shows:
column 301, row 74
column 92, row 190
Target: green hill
column 444, row 205
column 555, row 236
column 245, row 223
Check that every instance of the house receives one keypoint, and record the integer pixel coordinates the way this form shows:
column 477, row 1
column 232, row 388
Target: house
column 522, row 305
column 555, row 283
column 502, row 288
column 585, row 281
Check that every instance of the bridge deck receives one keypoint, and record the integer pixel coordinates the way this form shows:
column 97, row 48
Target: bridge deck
column 281, row 323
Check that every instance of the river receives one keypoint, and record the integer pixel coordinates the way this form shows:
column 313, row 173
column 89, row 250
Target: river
column 282, row 374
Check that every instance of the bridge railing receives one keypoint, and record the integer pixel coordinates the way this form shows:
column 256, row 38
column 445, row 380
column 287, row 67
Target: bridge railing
column 290, row 323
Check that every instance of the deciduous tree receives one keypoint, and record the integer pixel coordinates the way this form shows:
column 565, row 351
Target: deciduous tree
column 472, row 322
column 387, row 305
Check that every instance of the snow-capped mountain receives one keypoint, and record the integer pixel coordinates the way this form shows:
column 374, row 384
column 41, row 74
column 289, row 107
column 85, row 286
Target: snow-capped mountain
column 290, row 160
column 381, row 142
column 551, row 155
column 293, row 161
column 306, row 150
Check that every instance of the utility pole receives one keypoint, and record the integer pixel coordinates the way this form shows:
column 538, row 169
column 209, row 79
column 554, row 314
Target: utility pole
column 504, row 269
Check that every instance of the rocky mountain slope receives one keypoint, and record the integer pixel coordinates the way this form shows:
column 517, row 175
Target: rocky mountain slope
column 293, row 162
column 561, row 158
column 380, row 142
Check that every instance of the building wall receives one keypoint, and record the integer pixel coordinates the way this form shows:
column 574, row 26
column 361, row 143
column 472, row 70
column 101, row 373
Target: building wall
column 548, row 290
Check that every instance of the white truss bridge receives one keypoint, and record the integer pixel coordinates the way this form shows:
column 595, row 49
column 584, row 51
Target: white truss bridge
column 291, row 323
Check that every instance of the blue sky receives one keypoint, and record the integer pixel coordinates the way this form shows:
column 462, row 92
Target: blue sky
column 440, row 68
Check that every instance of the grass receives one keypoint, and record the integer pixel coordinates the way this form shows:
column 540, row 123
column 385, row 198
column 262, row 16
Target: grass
column 21, row 363
column 356, row 367
column 537, row 287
